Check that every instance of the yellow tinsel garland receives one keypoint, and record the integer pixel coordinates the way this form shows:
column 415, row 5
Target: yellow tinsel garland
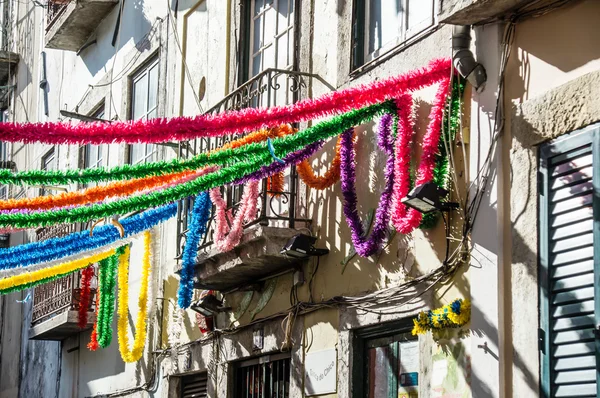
column 139, row 341
column 61, row 269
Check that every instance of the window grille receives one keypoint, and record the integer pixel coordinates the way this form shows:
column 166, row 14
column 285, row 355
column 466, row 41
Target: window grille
column 264, row 377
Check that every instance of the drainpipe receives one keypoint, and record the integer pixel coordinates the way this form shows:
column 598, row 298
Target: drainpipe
column 44, row 83
column 463, row 58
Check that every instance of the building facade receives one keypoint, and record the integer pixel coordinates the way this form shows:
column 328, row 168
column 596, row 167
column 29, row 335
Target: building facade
column 526, row 242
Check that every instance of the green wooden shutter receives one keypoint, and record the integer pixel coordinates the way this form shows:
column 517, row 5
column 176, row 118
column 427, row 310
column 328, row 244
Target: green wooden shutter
column 569, row 264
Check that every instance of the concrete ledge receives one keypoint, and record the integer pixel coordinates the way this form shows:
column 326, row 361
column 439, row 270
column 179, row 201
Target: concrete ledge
column 73, row 27
column 60, row 327
column 472, row 12
column 255, row 258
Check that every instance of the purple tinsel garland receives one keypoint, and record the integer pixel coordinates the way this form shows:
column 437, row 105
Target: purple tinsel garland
column 275, row 167
column 363, row 246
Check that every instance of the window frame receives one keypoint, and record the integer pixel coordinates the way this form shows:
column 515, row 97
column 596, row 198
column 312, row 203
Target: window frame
column 359, row 60
column 246, row 57
column 50, row 153
column 359, row 341
column 98, row 113
column 150, row 150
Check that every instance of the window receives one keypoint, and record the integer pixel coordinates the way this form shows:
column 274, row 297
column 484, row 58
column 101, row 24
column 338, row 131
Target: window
column 194, row 386
column 49, row 162
column 4, row 164
column 264, row 377
column 94, row 154
column 271, row 31
column 569, row 254
column 381, row 25
column 386, row 361
column 144, row 97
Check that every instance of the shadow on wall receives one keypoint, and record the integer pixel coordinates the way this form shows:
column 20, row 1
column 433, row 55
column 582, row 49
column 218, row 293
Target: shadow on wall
column 132, row 25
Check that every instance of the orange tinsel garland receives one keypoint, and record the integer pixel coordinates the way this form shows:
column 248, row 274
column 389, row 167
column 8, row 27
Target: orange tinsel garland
column 94, row 194
column 331, row 176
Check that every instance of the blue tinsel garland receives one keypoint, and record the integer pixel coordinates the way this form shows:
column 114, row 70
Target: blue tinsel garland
column 197, row 228
column 53, row 249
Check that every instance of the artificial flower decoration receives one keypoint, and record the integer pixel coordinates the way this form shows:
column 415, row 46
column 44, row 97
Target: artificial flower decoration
column 453, row 315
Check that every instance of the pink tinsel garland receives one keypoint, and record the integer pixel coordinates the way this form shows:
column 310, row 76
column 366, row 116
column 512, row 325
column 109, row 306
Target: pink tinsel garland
column 233, row 122
column 246, row 212
column 406, row 220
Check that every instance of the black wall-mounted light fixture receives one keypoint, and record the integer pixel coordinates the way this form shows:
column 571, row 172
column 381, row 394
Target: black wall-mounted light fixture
column 208, row 306
column 427, row 198
column 302, row 246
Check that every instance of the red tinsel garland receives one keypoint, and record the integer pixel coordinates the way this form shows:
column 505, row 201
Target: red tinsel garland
column 233, row 122
column 93, row 344
column 84, row 296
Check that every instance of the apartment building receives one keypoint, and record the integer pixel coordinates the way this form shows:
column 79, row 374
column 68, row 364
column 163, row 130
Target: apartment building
column 524, row 242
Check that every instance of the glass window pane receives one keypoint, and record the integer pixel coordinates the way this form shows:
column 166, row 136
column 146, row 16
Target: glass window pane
column 140, row 92
column 385, row 23
column 269, row 26
column 256, row 64
column 378, row 360
column 153, row 87
column 420, row 14
column 283, row 10
column 258, row 5
column 136, row 153
column 256, row 35
column 149, row 149
column 282, row 52
column 269, row 57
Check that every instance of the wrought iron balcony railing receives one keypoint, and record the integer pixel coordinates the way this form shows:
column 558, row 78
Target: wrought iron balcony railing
column 270, row 88
column 61, row 294
column 54, row 9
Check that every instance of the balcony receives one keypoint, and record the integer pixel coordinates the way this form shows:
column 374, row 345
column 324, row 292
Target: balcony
column 280, row 214
column 56, row 303
column 70, row 23
column 474, row 12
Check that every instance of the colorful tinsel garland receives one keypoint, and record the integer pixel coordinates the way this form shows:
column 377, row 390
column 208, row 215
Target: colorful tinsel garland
column 93, row 344
column 233, row 122
column 367, row 246
column 226, row 237
column 197, row 228
column 331, row 176
column 450, row 128
column 453, row 315
column 133, row 354
column 30, row 278
column 79, row 242
column 93, row 194
column 106, row 285
column 244, row 166
column 406, row 220
column 84, row 296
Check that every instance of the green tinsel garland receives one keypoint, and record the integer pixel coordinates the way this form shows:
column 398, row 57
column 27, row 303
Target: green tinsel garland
column 224, row 157
column 441, row 173
column 107, row 281
column 246, row 160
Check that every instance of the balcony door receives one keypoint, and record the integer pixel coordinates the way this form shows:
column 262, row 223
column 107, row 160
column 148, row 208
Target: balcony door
column 271, row 44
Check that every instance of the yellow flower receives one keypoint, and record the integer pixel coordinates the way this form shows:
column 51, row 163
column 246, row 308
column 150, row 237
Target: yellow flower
column 465, row 313
column 139, row 341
